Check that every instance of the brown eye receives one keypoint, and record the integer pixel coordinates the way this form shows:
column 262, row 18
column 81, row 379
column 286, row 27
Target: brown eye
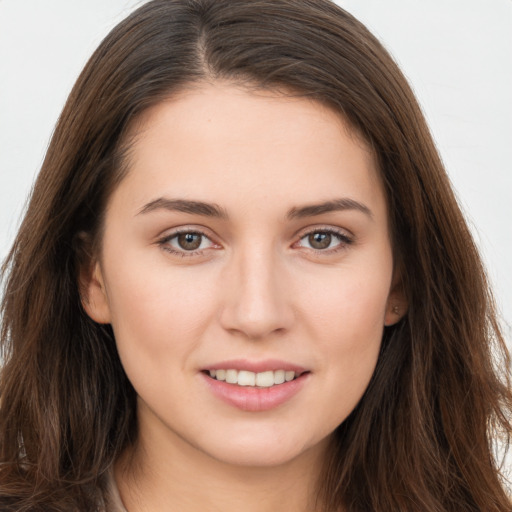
column 189, row 241
column 319, row 240
column 325, row 241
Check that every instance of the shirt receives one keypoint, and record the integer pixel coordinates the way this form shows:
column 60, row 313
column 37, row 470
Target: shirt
column 113, row 502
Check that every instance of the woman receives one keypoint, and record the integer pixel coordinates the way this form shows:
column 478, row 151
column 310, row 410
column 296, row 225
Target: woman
column 243, row 281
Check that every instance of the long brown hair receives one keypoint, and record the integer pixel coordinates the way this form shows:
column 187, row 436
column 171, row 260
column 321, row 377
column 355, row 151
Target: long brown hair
column 423, row 436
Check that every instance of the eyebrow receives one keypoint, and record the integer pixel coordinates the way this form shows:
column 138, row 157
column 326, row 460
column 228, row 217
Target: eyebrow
column 185, row 206
column 334, row 205
column 214, row 210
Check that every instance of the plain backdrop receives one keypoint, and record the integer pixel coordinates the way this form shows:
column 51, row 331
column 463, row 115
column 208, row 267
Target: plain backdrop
column 456, row 53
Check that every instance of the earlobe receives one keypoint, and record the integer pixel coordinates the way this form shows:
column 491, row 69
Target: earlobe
column 397, row 304
column 396, row 309
column 93, row 295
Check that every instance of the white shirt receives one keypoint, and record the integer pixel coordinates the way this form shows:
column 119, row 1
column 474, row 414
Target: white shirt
column 113, row 499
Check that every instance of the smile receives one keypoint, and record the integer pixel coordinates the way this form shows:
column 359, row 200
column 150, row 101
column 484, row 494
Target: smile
column 264, row 379
column 255, row 386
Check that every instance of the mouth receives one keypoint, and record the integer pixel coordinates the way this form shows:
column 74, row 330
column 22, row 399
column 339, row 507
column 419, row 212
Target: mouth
column 245, row 378
column 255, row 385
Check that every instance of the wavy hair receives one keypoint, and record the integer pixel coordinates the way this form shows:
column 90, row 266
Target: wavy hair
column 422, row 439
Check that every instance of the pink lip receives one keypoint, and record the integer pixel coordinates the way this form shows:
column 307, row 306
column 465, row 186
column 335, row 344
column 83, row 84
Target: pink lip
column 253, row 399
column 256, row 366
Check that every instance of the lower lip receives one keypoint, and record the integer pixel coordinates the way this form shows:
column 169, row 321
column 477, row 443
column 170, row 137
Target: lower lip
column 254, row 399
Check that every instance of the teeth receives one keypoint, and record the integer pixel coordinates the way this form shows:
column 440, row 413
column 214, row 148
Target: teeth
column 231, row 376
column 279, row 376
column 245, row 378
column 265, row 379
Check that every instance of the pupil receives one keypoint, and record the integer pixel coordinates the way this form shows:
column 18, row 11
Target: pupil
column 320, row 240
column 189, row 241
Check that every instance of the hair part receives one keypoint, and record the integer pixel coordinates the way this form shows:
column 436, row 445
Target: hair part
column 421, row 437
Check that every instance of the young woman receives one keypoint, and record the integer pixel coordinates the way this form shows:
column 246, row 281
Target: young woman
column 243, row 282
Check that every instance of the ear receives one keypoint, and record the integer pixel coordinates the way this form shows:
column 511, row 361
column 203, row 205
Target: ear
column 93, row 294
column 397, row 304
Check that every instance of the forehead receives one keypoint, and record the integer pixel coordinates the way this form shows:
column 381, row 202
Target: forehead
column 226, row 141
column 241, row 110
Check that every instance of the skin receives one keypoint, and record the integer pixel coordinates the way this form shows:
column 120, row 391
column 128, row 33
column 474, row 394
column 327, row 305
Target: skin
column 257, row 288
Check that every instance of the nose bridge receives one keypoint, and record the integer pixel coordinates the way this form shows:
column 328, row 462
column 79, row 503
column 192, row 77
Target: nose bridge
column 257, row 303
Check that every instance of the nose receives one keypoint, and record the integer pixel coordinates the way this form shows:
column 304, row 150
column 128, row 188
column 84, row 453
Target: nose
column 257, row 301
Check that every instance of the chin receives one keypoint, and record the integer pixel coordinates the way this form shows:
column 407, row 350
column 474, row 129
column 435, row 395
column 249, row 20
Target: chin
column 267, row 453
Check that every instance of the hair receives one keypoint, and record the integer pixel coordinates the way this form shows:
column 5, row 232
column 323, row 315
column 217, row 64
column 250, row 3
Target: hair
column 423, row 437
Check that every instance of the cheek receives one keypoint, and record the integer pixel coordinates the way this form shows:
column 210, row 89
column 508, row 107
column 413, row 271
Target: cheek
column 157, row 313
column 349, row 329
column 349, row 304
column 346, row 320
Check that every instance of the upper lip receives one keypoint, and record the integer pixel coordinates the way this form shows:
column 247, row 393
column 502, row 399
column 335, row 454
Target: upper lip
column 256, row 366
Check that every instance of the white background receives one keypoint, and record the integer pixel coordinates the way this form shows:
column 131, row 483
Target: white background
column 456, row 53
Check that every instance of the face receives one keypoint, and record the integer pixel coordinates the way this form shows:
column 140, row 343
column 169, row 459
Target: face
column 247, row 272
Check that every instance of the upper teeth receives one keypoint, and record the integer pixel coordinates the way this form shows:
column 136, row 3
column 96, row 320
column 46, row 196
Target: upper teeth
column 245, row 378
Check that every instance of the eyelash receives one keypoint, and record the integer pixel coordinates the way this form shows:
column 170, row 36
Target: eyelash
column 164, row 242
column 343, row 238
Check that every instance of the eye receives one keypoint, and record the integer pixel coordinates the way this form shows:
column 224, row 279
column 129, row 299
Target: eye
column 326, row 240
column 189, row 241
column 186, row 243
